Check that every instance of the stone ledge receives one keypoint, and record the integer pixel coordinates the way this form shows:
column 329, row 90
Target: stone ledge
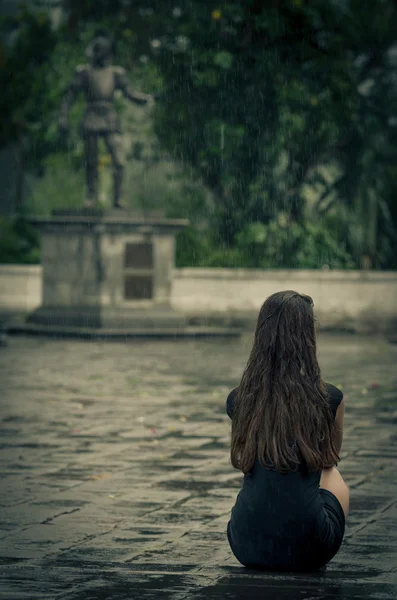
column 109, row 333
column 109, row 224
column 313, row 275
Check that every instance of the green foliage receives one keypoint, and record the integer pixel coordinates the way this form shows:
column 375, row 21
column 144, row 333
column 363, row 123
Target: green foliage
column 192, row 249
column 274, row 245
column 61, row 187
column 260, row 98
column 19, row 241
column 260, row 101
column 27, row 101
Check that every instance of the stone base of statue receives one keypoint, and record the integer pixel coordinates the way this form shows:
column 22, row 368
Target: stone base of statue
column 109, row 274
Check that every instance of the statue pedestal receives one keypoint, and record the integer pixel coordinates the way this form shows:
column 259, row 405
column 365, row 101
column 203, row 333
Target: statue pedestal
column 107, row 272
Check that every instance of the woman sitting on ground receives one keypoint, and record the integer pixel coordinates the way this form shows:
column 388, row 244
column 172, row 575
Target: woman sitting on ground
column 287, row 429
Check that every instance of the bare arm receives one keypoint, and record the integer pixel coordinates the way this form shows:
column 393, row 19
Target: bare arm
column 131, row 95
column 230, row 402
column 338, row 429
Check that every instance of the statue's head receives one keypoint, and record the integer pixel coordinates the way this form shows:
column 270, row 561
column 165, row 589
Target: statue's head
column 100, row 48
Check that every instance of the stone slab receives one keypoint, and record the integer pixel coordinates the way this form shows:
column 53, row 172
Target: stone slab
column 111, row 319
column 111, row 223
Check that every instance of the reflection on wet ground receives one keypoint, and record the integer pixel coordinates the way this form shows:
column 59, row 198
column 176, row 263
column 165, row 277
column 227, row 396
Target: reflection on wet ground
column 116, row 482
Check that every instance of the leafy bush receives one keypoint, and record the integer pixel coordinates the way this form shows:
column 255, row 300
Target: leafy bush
column 19, row 242
column 260, row 246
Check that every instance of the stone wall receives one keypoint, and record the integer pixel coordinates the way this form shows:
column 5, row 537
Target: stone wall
column 20, row 288
column 364, row 301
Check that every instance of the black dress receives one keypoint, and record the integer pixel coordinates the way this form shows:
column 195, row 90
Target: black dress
column 285, row 522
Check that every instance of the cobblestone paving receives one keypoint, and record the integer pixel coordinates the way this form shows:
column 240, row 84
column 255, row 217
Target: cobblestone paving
column 116, row 482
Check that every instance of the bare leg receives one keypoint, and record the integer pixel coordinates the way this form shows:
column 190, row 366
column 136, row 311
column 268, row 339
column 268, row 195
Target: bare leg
column 114, row 143
column 332, row 481
column 91, row 166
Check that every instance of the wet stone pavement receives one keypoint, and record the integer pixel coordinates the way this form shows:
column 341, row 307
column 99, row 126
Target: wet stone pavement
column 116, row 482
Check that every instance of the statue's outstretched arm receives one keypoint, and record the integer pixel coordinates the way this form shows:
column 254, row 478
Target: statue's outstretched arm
column 73, row 90
column 124, row 85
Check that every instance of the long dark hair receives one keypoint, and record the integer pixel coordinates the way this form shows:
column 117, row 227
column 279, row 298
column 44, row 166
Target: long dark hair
column 281, row 414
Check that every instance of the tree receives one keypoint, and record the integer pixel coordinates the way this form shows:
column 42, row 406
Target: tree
column 260, row 97
column 262, row 101
column 26, row 102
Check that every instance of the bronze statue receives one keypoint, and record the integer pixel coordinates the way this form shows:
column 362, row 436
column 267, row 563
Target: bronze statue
column 98, row 81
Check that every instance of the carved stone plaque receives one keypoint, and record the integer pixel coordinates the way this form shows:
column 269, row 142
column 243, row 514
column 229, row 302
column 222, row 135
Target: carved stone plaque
column 138, row 271
column 138, row 287
column 138, row 256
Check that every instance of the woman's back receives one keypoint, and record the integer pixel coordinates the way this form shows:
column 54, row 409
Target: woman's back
column 281, row 518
